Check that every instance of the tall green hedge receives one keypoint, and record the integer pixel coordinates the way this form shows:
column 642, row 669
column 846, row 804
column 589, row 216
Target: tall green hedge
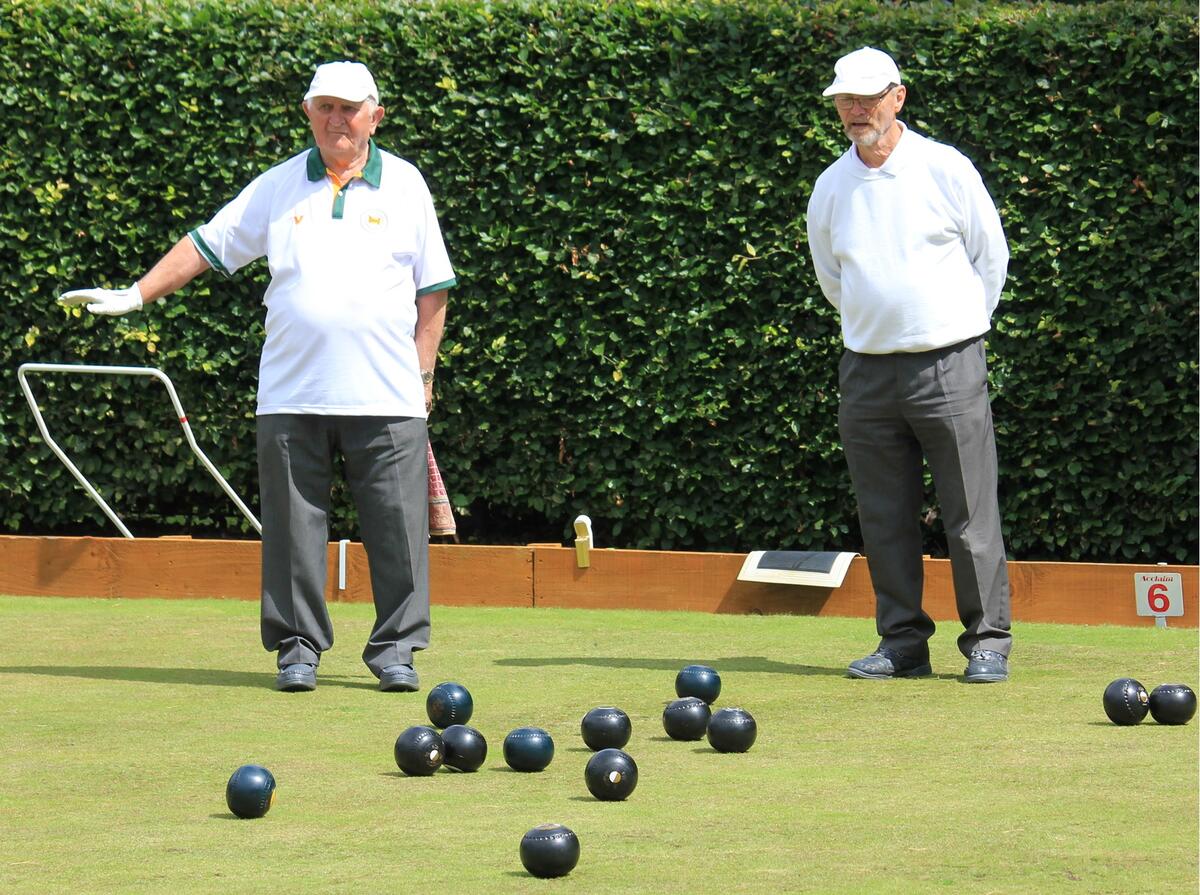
column 637, row 333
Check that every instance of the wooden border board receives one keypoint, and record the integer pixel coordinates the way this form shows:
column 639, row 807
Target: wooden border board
column 548, row 576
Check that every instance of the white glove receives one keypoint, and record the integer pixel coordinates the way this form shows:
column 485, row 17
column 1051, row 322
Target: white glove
column 111, row 302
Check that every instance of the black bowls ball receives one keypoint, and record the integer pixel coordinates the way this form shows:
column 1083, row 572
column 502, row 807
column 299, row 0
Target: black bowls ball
column 419, row 751
column 1172, row 703
column 465, row 748
column 250, row 792
column 449, row 703
column 732, row 730
column 1126, row 701
column 611, row 775
column 550, row 850
column 699, row 681
column 605, row 727
column 687, row 718
column 528, row 749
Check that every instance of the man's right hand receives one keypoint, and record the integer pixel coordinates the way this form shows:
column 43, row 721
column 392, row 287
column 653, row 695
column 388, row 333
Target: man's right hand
column 110, row 302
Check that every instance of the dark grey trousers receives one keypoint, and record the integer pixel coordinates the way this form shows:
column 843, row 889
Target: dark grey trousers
column 896, row 409
column 386, row 470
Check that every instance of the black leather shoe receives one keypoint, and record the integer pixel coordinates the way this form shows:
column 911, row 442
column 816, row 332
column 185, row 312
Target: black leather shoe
column 887, row 663
column 399, row 679
column 296, row 678
column 986, row 666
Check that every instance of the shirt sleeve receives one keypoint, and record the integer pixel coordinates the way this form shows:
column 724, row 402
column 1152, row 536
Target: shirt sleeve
column 820, row 246
column 432, row 271
column 237, row 234
column 983, row 236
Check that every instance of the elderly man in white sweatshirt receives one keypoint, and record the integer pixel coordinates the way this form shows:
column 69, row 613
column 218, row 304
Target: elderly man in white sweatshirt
column 908, row 246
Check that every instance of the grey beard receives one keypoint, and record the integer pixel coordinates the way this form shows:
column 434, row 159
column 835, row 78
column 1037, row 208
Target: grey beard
column 869, row 139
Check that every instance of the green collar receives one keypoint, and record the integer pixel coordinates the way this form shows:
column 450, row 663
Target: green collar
column 372, row 172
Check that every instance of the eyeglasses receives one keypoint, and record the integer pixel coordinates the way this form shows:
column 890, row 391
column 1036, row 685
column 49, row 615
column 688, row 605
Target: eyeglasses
column 847, row 101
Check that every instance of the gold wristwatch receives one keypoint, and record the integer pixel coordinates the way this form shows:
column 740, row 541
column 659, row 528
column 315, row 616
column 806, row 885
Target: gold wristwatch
column 426, row 376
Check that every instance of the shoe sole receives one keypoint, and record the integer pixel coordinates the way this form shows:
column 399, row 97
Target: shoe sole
column 296, row 687
column 398, row 687
column 919, row 671
column 985, row 678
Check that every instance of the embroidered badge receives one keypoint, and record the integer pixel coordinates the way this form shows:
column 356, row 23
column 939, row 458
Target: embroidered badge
column 374, row 220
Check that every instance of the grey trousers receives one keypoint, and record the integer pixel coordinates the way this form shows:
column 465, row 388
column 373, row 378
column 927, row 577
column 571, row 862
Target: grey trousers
column 896, row 408
column 386, row 470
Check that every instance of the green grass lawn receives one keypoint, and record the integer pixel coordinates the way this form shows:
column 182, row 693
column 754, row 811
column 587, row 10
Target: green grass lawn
column 120, row 722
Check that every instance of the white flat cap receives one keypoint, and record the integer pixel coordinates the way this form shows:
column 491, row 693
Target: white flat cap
column 864, row 72
column 346, row 80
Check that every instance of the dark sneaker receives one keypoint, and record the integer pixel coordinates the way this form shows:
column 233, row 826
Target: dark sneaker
column 296, row 678
column 986, row 666
column 887, row 663
column 399, row 679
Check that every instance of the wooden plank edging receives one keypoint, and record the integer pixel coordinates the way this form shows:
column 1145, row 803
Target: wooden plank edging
column 547, row 576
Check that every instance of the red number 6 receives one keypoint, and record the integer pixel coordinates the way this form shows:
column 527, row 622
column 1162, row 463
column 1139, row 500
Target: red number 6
column 1158, row 599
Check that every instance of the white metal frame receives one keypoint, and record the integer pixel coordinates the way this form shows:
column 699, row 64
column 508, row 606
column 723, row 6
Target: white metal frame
column 25, row 369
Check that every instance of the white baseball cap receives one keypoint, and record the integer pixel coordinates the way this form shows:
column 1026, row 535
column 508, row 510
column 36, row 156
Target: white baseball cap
column 864, row 72
column 345, row 80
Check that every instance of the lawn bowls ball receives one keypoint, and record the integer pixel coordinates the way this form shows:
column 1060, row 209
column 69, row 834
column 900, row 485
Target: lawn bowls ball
column 1172, row 703
column 465, row 748
column 605, row 727
column 687, row 718
column 250, row 792
column 1126, row 701
column 419, row 751
column 528, row 749
column 449, row 703
column 732, row 730
column 550, row 850
column 611, row 775
column 699, row 681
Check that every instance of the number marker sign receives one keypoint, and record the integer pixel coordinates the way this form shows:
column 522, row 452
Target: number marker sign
column 1159, row 594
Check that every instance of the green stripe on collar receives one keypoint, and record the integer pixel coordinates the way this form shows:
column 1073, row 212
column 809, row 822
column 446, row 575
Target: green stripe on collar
column 372, row 171
column 316, row 165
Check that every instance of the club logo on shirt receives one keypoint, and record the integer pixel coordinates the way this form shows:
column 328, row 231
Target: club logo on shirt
column 297, row 218
column 374, row 220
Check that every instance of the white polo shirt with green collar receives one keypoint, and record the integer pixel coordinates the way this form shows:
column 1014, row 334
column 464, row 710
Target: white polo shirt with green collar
column 347, row 265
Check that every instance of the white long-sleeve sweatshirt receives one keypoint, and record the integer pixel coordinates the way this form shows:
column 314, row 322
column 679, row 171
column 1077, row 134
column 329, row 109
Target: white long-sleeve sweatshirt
column 912, row 254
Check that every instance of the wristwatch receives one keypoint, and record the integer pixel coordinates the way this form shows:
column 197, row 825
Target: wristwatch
column 426, row 376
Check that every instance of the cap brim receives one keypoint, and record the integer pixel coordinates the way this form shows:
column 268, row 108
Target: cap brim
column 859, row 87
column 349, row 99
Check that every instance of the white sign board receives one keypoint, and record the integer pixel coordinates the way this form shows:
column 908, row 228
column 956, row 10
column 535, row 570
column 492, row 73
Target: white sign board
column 1158, row 593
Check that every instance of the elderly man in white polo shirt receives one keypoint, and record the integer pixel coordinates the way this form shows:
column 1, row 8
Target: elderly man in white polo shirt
column 355, row 311
column 908, row 246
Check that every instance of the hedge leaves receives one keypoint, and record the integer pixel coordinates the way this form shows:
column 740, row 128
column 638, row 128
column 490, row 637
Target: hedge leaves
column 637, row 333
